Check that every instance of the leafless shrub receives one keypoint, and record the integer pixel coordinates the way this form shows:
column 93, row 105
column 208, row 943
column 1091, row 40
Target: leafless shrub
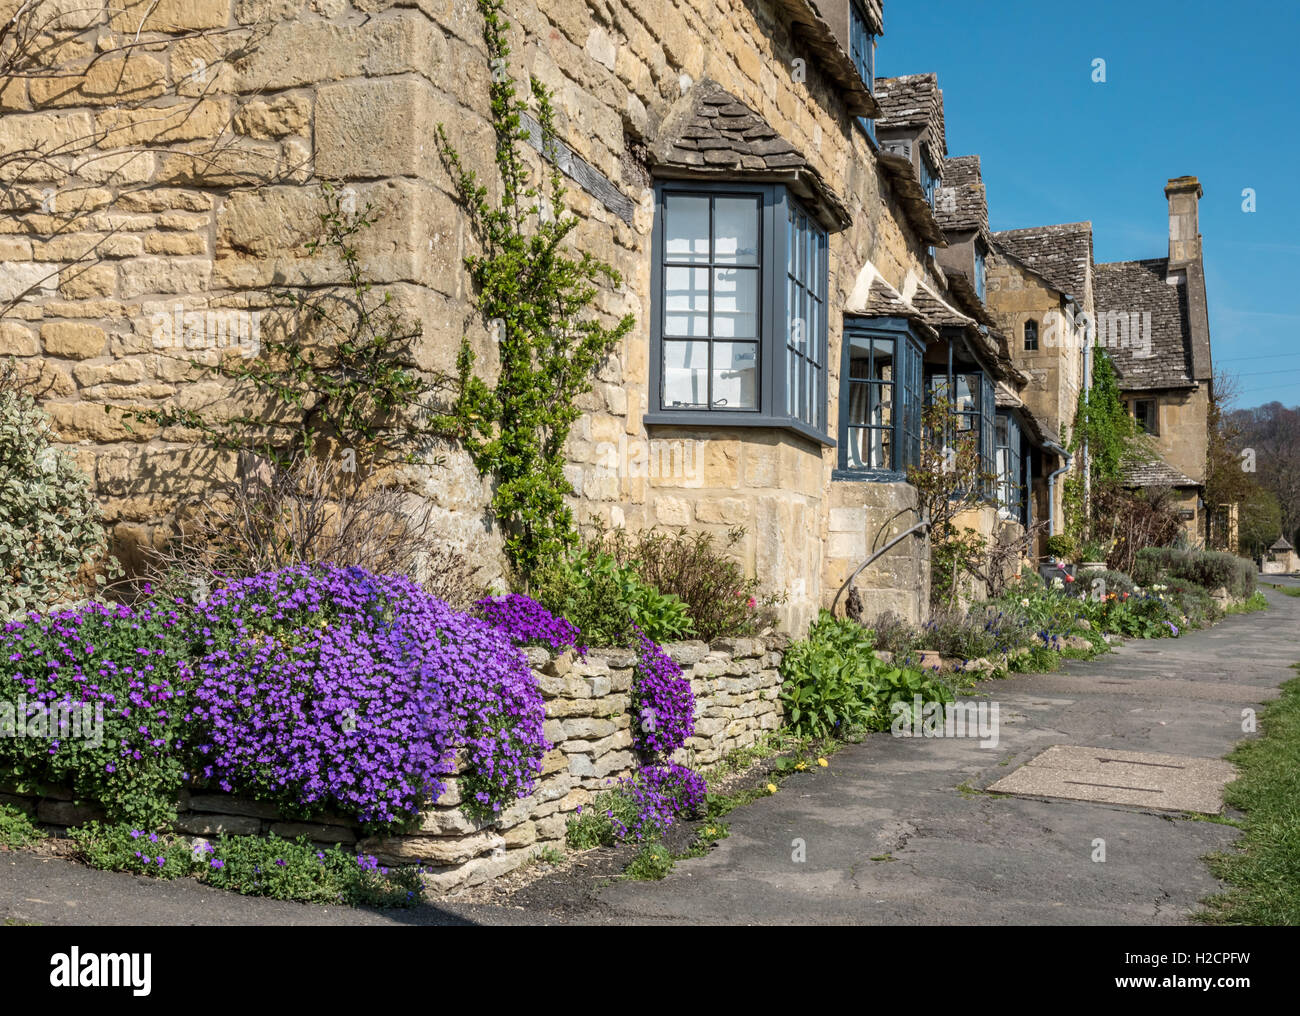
column 308, row 511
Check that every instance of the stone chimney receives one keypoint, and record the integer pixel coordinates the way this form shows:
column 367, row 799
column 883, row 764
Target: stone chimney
column 1183, row 192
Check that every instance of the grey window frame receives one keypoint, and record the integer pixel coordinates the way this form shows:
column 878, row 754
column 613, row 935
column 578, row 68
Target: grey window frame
column 775, row 206
column 862, row 52
column 908, row 377
column 1034, row 323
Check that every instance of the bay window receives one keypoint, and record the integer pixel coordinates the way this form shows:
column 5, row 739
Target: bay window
column 880, row 399
column 739, row 314
column 1009, row 461
column 971, row 398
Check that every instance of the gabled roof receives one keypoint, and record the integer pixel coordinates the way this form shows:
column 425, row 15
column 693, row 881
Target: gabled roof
column 712, row 133
column 1061, row 254
column 914, row 102
column 963, row 203
column 1156, row 473
column 1128, row 288
column 1282, row 545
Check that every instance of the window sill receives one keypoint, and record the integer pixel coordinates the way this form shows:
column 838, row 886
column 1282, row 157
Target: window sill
column 869, row 475
column 735, row 418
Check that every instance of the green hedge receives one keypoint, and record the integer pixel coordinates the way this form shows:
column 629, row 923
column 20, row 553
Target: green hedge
column 1208, row 569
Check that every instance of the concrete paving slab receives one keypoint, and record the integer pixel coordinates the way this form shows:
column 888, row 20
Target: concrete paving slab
column 1109, row 776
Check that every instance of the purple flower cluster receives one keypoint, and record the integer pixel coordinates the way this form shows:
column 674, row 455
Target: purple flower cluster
column 528, row 623
column 658, row 794
column 663, row 700
column 99, row 691
column 335, row 689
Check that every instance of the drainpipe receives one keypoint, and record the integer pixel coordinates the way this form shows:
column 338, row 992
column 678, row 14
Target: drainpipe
column 1051, row 484
column 1087, row 392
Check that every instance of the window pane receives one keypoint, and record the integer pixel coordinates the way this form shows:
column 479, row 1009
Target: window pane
column 686, row 301
column 735, row 231
column 686, row 375
column 735, row 375
column 686, row 228
column 735, row 303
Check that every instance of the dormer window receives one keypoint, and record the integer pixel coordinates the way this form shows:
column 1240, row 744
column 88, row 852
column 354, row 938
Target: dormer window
column 1031, row 336
column 862, row 48
column 929, row 181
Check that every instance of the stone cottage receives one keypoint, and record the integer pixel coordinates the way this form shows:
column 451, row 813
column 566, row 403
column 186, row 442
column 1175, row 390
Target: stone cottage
column 803, row 260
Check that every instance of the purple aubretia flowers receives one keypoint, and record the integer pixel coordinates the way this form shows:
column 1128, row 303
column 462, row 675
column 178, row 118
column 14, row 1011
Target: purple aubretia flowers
column 332, row 688
column 528, row 623
column 664, row 701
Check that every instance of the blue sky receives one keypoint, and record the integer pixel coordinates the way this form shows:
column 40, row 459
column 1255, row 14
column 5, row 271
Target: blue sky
column 1193, row 88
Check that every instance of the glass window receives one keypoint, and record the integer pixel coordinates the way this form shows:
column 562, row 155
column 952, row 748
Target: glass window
column 929, row 181
column 881, row 400
column 806, row 305
column 862, row 48
column 711, row 295
column 979, row 274
column 972, row 399
column 1031, row 336
column 734, row 333
column 1009, row 461
column 1144, row 412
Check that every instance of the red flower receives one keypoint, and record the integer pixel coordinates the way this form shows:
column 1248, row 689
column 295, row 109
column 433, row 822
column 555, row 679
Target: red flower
column 1069, row 578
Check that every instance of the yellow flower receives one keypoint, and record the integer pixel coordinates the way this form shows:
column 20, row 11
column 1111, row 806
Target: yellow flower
column 822, row 762
column 801, row 766
column 771, row 788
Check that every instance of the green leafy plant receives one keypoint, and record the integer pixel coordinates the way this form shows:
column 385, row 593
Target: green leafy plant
column 252, row 866
column 1061, row 546
column 539, row 301
column 651, row 863
column 16, row 828
column 51, row 529
column 1207, row 569
column 833, row 683
column 605, row 599
column 720, row 600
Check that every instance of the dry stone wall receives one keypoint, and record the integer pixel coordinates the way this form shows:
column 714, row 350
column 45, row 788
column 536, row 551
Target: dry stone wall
column 589, row 724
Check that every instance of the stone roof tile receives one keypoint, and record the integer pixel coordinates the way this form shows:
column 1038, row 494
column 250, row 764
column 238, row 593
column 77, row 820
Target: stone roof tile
column 1061, row 254
column 1144, row 325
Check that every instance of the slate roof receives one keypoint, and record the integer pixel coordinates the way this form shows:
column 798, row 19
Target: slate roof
column 1156, row 473
column 809, row 28
column 1125, row 288
column 1060, row 254
column 1282, row 545
column 883, row 300
column 963, row 202
column 717, row 134
column 915, row 102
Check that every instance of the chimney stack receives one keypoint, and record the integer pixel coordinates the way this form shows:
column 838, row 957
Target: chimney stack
column 1183, row 192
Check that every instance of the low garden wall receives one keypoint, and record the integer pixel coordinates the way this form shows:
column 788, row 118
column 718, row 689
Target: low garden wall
column 736, row 684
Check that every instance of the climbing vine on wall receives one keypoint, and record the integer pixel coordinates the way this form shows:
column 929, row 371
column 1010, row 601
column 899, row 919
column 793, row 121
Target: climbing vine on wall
column 332, row 370
column 1102, row 424
column 537, row 302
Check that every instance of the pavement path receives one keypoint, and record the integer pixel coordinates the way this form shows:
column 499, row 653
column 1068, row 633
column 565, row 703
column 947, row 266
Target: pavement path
column 895, row 831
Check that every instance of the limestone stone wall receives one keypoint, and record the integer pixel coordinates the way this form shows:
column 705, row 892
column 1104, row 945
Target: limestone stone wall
column 864, row 517
column 198, row 190
column 736, row 684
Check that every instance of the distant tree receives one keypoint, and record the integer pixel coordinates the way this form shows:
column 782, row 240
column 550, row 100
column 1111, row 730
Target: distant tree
column 1271, row 434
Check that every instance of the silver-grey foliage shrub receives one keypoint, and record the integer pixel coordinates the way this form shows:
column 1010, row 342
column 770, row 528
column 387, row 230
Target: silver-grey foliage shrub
column 50, row 522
